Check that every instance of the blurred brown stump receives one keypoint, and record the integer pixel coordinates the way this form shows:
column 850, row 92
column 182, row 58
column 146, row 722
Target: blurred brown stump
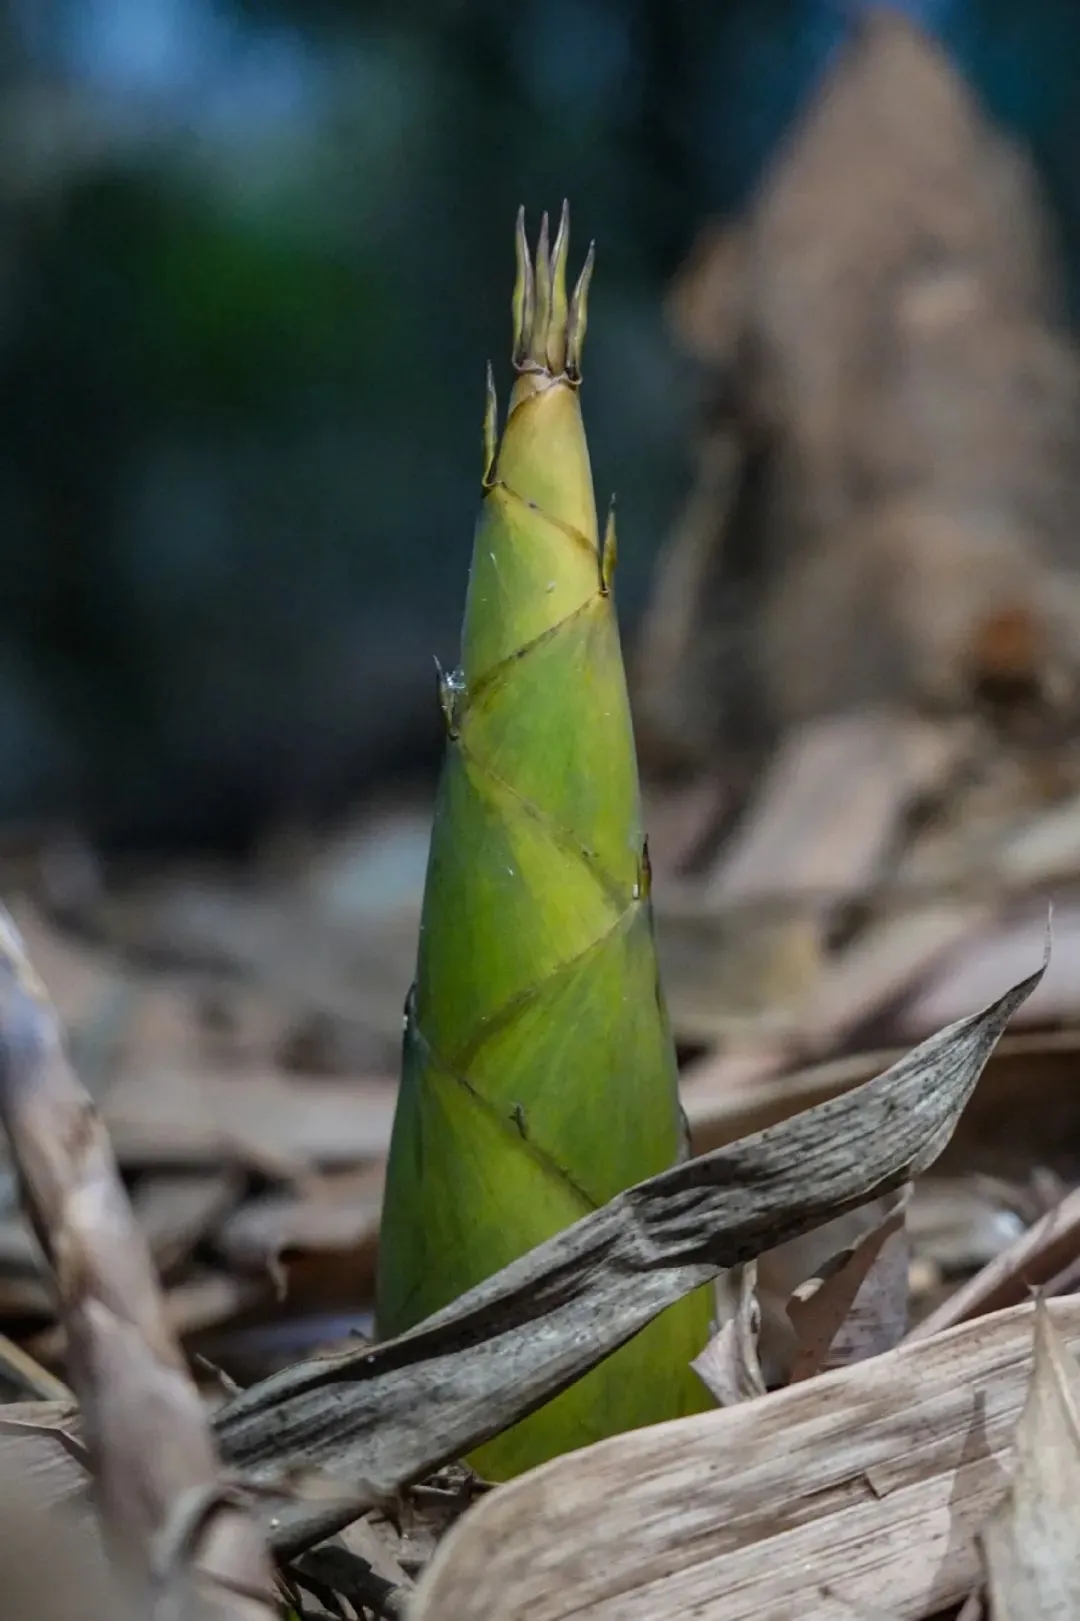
column 887, row 470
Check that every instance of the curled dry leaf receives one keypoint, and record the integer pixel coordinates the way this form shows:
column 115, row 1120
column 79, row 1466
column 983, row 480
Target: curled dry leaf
column 781, row 1271
column 858, row 1306
column 729, row 1364
column 1031, row 1543
column 379, row 1418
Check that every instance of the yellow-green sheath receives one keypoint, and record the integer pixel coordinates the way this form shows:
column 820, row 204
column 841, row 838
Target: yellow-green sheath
column 539, row 1075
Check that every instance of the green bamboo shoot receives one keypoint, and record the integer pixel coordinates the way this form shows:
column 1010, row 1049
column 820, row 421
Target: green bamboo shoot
column 539, row 1074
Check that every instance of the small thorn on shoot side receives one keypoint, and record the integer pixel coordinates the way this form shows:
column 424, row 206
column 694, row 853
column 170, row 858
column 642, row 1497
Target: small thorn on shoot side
column 578, row 318
column 449, row 691
column 491, row 427
column 524, row 293
column 542, row 315
column 609, row 552
column 558, row 319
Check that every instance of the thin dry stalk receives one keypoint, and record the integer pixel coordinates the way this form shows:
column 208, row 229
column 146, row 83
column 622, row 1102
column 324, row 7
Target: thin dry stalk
column 1036, row 1259
column 164, row 1506
column 32, row 1380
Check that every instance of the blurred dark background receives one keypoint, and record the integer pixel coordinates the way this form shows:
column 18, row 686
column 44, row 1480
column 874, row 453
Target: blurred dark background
column 253, row 257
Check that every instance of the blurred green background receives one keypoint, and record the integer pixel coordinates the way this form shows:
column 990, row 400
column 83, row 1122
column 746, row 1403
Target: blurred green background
column 254, row 255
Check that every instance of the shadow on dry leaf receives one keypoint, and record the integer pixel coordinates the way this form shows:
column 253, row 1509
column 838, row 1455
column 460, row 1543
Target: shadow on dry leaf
column 1031, row 1543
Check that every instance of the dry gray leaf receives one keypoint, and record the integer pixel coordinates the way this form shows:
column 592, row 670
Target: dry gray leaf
column 729, row 1364
column 858, row 1306
column 378, row 1418
column 857, row 1494
column 1031, row 1543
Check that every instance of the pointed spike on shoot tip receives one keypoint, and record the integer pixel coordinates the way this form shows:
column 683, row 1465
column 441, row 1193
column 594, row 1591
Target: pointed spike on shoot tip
column 542, row 314
column 559, row 317
column 491, row 426
column 524, row 293
column 609, row 552
column 579, row 315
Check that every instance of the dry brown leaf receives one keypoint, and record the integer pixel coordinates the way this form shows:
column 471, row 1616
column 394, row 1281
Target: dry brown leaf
column 742, row 976
column 1031, row 1543
column 43, row 1442
column 334, row 1215
column 260, row 1119
column 729, row 1364
column 782, row 1270
column 988, row 960
column 1044, row 847
column 206, row 1299
column 859, row 1492
column 883, row 965
column 52, row 1567
column 201, row 1301
column 177, row 1210
column 830, row 806
column 858, row 1307
column 763, row 982
column 386, row 1415
column 280, row 938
